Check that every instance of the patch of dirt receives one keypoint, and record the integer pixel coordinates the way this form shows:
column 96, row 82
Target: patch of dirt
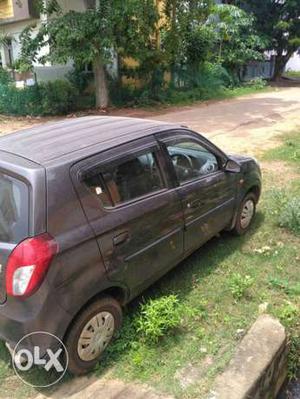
column 9, row 124
column 281, row 170
column 191, row 374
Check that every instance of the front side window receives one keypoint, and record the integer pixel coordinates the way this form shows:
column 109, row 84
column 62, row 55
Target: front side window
column 126, row 180
column 13, row 209
column 191, row 160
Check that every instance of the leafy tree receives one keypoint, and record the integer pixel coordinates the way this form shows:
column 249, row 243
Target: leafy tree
column 185, row 38
column 237, row 41
column 108, row 28
column 279, row 22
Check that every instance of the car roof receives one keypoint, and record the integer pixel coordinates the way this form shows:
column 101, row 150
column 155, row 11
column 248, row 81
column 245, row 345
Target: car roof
column 68, row 138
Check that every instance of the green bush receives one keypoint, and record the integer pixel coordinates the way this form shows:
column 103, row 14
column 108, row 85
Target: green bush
column 239, row 284
column 289, row 215
column 258, row 83
column 52, row 98
column 20, row 101
column 79, row 79
column 285, row 209
column 158, row 317
column 5, row 77
column 58, row 97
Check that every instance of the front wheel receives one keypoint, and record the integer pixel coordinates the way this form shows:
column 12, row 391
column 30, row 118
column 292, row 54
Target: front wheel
column 90, row 334
column 245, row 214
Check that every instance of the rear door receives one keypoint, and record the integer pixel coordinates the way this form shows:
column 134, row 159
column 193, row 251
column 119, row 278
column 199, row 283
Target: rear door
column 14, row 220
column 22, row 206
column 206, row 190
column 135, row 214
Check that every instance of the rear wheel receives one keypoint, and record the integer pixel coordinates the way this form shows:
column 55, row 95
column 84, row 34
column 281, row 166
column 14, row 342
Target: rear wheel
column 245, row 214
column 90, row 334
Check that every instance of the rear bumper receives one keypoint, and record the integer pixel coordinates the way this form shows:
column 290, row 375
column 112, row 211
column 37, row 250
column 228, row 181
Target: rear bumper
column 19, row 319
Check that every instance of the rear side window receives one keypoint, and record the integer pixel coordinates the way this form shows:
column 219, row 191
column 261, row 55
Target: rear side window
column 126, row 180
column 13, row 209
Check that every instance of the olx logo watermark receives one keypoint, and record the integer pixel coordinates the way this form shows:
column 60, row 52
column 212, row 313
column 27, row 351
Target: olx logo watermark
column 54, row 363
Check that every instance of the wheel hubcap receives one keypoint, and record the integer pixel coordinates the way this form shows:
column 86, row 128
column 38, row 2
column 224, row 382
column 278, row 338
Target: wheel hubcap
column 247, row 214
column 95, row 336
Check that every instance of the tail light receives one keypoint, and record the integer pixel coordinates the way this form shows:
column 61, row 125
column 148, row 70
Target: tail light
column 27, row 265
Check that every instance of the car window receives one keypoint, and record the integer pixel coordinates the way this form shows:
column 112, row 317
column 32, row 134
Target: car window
column 191, row 160
column 126, row 180
column 13, row 209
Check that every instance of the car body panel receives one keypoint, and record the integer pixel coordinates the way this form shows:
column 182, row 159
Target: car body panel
column 126, row 247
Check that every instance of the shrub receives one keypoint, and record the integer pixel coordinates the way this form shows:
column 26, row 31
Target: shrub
column 79, row 79
column 52, row 98
column 294, row 358
column 5, row 77
column 258, row 83
column 25, row 101
column 158, row 317
column 238, row 285
column 285, row 209
column 289, row 215
column 58, row 97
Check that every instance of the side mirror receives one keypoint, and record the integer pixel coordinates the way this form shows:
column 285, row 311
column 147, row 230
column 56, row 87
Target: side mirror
column 232, row 166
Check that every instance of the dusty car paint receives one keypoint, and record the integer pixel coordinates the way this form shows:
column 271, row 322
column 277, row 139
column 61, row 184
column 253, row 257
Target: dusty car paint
column 121, row 250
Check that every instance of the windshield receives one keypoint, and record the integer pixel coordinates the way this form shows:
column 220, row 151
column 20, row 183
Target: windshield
column 13, row 209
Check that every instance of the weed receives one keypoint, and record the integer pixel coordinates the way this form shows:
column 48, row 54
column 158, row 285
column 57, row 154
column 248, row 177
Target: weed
column 288, row 314
column 239, row 284
column 289, row 216
column 294, row 358
column 158, row 317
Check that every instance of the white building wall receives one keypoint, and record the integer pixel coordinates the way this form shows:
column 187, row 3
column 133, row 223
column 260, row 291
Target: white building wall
column 47, row 71
column 294, row 63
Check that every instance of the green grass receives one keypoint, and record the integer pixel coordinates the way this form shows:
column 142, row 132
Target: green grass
column 288, row 151
column 189, row 97
column 292, row 74
column 219, row 289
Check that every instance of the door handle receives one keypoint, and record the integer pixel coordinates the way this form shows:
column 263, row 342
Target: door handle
column 120, row 238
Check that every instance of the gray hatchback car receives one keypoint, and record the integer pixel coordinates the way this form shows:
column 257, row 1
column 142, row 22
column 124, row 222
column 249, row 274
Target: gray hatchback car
column 93, row 210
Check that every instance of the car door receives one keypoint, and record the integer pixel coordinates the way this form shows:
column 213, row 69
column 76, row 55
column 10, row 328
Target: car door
column 136, row 217
column 207, row 192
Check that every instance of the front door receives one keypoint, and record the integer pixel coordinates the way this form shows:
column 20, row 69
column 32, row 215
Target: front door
column 136, row 217
column 206, row 190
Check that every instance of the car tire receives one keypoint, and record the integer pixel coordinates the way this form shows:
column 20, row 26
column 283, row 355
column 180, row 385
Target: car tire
column 245, row 214
column 90, row 333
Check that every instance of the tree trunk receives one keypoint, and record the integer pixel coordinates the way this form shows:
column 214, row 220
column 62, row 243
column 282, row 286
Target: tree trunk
column 173, row 28
column 101, row 86
column 280, row 63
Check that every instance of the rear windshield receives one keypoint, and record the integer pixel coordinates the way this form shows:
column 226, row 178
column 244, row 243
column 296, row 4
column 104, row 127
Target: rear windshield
column 13, row 209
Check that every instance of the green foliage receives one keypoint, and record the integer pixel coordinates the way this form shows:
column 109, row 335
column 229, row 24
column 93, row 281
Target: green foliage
column 285, row 209
column 94, row 36
column 158, row 317
column 289, row 216
column 239, row 284
column 294, row 358
column 285, row 286
column 279, row 23
column 257, row 83
column 21, row 65
column 288, row 314
column 237, row 40
column 5, row 77
column 51, row 98
column 289, row 151
column 79, row 78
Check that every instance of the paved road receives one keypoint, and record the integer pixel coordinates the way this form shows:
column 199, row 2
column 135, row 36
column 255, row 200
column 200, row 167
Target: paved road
column 93, row 388
column 246, row 124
